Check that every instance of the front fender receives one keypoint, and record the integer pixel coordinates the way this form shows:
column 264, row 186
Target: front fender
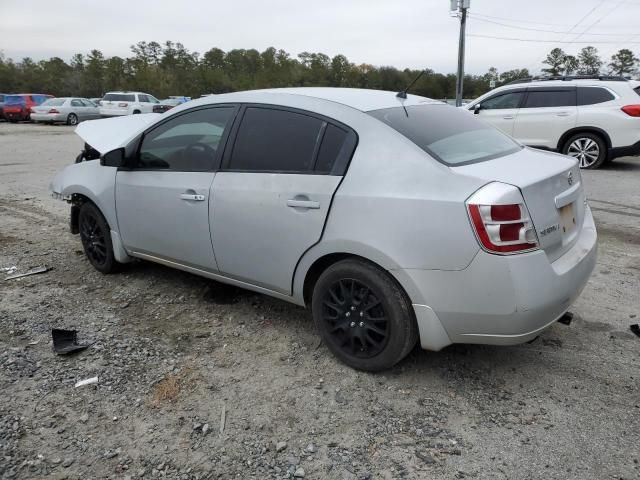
column 91, row 180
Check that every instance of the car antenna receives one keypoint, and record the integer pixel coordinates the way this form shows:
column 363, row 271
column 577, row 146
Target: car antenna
column 403, row 93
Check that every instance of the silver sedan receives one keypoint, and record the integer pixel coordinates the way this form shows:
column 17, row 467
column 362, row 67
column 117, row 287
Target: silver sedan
column 397, row 219
column 69, row 110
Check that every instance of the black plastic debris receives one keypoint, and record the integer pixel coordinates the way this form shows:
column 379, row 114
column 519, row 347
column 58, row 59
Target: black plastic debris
column 635, row 328
column 66, row 341
column 566, row 318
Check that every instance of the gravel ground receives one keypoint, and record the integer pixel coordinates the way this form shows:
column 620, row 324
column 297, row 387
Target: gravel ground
column 198, row 380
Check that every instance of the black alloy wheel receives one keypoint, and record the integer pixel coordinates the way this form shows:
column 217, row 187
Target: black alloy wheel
column 355, row 318
column 95, row 235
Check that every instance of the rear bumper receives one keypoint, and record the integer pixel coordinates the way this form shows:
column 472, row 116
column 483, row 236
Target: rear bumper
column 48, row 117
column 113, row 112
column 628, row 151
column 16, row 116
column 501, row 300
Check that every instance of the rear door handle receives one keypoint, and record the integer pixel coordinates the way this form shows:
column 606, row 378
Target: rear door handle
column 563, row 114
column 508, row 117
column 303, row 203
column 192, row 197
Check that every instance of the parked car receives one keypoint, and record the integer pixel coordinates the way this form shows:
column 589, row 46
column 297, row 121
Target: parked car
column 593, row 119
column 169, row 103
column 18, row 107
column 115, row 104
column 2, row 95
column 395, row 221
column 69, row 110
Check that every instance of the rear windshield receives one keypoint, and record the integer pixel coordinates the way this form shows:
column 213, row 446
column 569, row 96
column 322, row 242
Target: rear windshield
column 13, row 100
column 452, row 136
column 54, row 102
column 119, row 97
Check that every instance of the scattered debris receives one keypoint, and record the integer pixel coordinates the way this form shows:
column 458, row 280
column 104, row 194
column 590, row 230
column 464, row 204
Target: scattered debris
column 86, row 381
column 66, row 341
column 280, row 446
column 33, row 271
column 34, row 342
column 299, row 473
column 223, row 418
column 205, row 429
column 635, row 328
column 8, row 270
column 566, row 318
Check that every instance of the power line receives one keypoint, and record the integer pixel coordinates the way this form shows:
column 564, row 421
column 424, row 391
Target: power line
column 533, row 40
column 475, row 17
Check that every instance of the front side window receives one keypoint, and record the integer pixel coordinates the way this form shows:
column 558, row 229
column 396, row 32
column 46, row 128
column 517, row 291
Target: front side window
column 76, row 103
column 54, row 102
column 271, row 140
column 143, row 98
column 550, row 98
column 188, row 142
column 637, row 90
column 593, row 95
column 499, row 102
column 451, row 136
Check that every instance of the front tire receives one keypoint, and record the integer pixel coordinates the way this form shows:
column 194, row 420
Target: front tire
column 363, row 316
column 588, row 148
column 95, row 235
column 72, row 119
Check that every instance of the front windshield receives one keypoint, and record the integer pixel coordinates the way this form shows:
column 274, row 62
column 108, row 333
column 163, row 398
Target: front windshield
column 451, row 135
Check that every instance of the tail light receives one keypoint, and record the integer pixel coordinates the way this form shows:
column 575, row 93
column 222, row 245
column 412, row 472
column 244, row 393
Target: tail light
column 631, row 110
column 123, row 104
column 501, row 221
column 53, row 110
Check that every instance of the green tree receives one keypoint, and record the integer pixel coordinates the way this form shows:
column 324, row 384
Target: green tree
column 589, row 61
column 623, row 63
column 555, row 59
column 571, row 64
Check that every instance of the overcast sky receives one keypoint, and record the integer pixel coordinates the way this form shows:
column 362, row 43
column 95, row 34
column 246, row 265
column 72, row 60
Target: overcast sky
column 402, row 33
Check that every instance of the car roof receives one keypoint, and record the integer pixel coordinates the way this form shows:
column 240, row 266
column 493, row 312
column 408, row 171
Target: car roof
column 359, row 98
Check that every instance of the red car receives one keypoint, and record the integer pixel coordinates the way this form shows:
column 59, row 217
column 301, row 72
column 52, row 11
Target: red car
column 18, row 107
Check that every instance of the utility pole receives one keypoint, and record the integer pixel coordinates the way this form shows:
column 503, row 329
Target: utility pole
column 460, row 6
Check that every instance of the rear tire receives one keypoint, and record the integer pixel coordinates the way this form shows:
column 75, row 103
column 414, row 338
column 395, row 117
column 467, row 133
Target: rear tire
column 588, row 148
column 363, row 315
column 95, row 235
column 136, row 112
column 72, row 119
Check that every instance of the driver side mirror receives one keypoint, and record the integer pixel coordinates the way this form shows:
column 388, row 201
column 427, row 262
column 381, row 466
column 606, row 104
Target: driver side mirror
column 114, row 158
column 476, row 108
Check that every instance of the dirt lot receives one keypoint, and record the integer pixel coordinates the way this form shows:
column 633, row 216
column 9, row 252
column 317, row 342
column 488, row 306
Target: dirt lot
column 176, row 353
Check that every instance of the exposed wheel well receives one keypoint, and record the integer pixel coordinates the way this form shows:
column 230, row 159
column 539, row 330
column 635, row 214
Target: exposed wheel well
column 77, row 200
column 594, row 130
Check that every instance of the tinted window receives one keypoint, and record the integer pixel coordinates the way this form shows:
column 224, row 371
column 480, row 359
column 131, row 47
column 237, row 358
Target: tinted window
column 1, row 98
column 119, row 97
column 451, row 136
column 54, row 102
column 593, row 95
column 14, row 100
column 637, row 89
column 275, row 140
column 508, row 100
column 550, row 98
column 188, row 142
column 87, row 103
column 76, row 103
column 332, row 143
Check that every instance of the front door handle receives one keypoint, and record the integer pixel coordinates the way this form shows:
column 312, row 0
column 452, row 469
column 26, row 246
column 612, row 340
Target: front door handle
column 192, row 197
column 303, row 203
column 508, row 117
column 563, row 114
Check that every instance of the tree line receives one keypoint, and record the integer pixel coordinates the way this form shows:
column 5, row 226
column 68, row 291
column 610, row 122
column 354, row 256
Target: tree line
column 171, row 69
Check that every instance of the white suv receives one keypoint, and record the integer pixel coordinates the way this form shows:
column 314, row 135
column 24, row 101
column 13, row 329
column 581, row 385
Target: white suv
column 593, row 119
column 126, row 103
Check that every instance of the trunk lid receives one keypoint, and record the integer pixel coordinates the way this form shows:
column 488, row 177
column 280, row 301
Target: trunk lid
column 551, row 185
column 111, row 133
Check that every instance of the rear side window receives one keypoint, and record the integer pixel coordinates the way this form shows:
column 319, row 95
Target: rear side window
column 593, row 95
column 333, row 142
column 272, row 140
column 499, row 102
column 76, row 103
column 450, row 135
column 54, row 102
column 14, row 100
column 119, row 97
column 186, row 143
column 550, row 98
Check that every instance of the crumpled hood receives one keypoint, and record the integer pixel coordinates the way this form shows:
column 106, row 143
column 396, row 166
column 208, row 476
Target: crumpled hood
column 110, row 133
